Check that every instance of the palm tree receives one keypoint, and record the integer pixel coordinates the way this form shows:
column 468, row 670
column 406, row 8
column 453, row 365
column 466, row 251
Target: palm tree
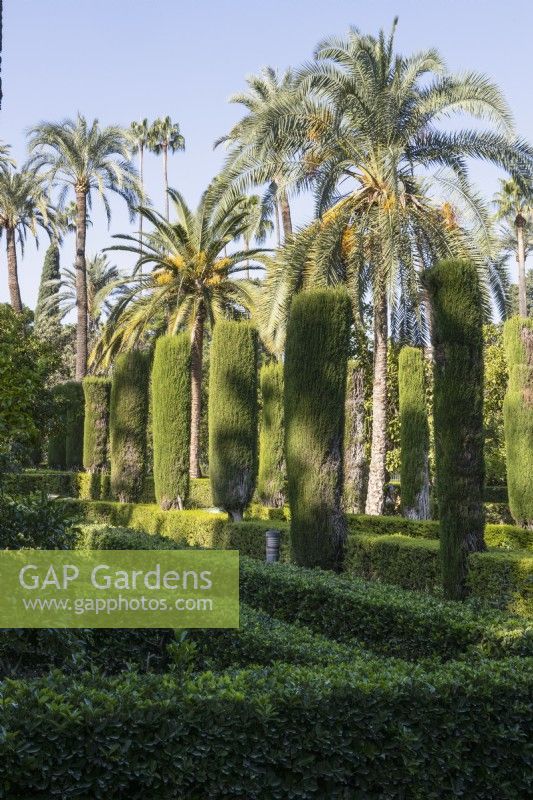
column 24, row 207
column 515, row 207
column 164, row 136
column 390, row 186
column 259, row 226
column 83, row 158
column 192, row 283
column 140, row 133
column 255, row 157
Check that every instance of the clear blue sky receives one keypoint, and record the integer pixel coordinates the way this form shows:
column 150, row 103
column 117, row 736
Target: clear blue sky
column 120, row 60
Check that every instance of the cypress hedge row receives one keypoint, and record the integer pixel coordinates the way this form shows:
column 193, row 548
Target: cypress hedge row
column 96, row 425
column 518, row 418
column 457, row 311
column 127, row 425
column 56, row 458
column 316, row 358
column 271, row 481
column 233, row 416
column 414, row 434
column 75, row 404
column 171, row 419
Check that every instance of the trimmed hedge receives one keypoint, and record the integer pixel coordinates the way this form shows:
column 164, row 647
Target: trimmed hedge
column 233, row 415
column 503, row 579
column 414, row 434
column 97, row 393
column 200, row 493
column 127, row 422
column 386, row 619
column 316, row 357
column 271, row 479
column 171, row 419
column 75, row 405
column 284, row 732
column 457, row 310
column 518, row 418
column 56, row 457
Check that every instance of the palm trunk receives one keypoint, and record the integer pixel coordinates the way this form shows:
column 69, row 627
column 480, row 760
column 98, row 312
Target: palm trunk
column 285, row 215
column 12, row 271
column 141, row 154
column 81, row 286
column 165, row 167
column 197, row 346
column 277, row 216
column 520, row 224
column 247, row 246
column 355, row 463
column 376, row 478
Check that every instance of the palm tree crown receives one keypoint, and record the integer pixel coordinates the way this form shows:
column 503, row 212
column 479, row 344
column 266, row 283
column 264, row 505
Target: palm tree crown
column 165, row 136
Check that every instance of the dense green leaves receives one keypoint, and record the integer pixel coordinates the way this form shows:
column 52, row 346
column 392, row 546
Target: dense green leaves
column 271, row 481
column 414, row 433
column 97, row 393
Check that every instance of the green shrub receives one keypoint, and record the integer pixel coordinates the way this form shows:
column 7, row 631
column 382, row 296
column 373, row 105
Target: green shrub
column 96, row 425
column 200, row 493
column 457, row 308
column 233, row 416
column 271, row 481
column 518, row 418
column 35, row 522
column 509, row 537
column 414, row 434
column 171, row 419
column 56, row 457
column 75, row 405
column 127, row 423
column 355, row 458
column 495, row 494
column 45, row 482
column 363, row 523
column 316, row 357
column 284, row 732
column 387, row 619
column 503, row 579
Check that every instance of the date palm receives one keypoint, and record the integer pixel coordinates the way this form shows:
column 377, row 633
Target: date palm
column 141, row 136
column 165, row 137
column 391, row 186
column 254, row 157
column 192, row 283
column 24, row 207
column 85, row 158
column 515, row 206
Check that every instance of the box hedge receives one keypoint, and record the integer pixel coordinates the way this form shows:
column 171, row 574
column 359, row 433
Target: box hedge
column 284, row 732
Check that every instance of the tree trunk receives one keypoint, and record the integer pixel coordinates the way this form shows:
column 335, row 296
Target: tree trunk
column 277, row 215
column 285, row 215
column 197, row 346
column 12, row 272
column 165, row 166
column 355, row 465
column 376, row 479
column 247, row 246
column 81, row 286
column 141, row 153
column 520, row 224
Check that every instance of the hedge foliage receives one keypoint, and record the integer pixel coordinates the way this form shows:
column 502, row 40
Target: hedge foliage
column 97, row 393
column 171, row 419
column 75, row 406
column 271, row 479
column 316, row 356
column 414, row 434
column 127, row 422
column 457, row 309
column 56, row 456
column 233, row 415
column 518, row 418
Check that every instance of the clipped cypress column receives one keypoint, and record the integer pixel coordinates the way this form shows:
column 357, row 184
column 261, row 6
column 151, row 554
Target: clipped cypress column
column 233, row 416
column 56, row 457
column 518, row 418
column 414, row 434
column 97, row 393
column 271, row 481
column 128, row 416
column 316, row 356
column 171, row 419
column 457, row 317
column 75, row 408
column 355, row 460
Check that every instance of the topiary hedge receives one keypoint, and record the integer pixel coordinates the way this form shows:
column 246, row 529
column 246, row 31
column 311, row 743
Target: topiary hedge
column 75, row 405
column 171, row 419
column 97, row 393
column 127, row 422
column 56, row 454
column 233, row 416
column 518, row 418
column 272, row 479
column 457, row 329
column 283, row 732
column 414, row 434
column 316, row 356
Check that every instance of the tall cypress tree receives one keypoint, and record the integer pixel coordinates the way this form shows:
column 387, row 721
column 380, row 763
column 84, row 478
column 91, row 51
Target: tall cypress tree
column 414, row 434
column 96, row 424
column 316, row 357
column 50, row 272
column 271, row 480
column 457, row 312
